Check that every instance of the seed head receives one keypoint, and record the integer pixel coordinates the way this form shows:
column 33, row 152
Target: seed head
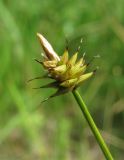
column 67, row 73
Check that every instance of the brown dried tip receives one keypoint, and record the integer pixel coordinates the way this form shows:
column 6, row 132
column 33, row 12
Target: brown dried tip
column 49, row 51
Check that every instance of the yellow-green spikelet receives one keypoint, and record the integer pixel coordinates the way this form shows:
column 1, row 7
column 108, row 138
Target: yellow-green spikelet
column 68, row 73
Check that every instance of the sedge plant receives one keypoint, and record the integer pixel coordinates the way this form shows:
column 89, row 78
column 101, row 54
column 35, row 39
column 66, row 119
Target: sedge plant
column 68, row 74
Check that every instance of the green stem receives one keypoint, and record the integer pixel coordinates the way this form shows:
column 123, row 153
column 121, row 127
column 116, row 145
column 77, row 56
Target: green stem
column 92, row 125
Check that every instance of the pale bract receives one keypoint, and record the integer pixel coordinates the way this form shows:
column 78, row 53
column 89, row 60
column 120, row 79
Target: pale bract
column 49, row 51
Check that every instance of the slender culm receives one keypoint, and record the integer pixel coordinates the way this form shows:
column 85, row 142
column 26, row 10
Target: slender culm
column 92, row 125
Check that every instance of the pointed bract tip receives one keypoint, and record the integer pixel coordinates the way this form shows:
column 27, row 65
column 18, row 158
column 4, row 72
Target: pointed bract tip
column 38, row 61
column 40, row 36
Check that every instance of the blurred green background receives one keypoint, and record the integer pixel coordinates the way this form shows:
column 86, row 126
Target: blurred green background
column 56, row 129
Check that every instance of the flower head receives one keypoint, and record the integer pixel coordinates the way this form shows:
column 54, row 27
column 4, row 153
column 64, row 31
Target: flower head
column 67, row 73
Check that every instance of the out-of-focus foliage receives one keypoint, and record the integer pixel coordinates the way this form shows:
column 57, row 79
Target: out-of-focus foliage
column 56, row 130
